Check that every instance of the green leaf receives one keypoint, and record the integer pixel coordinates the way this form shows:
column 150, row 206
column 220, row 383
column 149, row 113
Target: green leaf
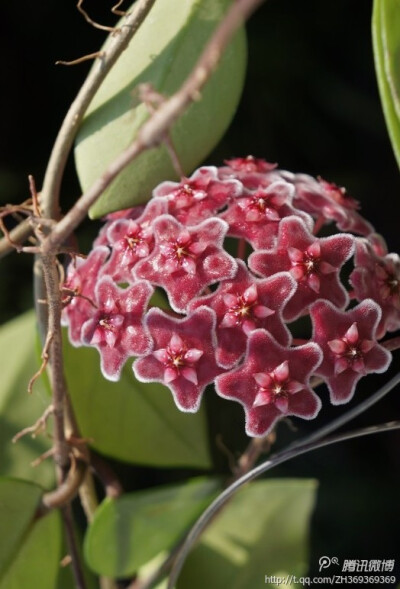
column 262, row 531
column 129, row 531
column 36, row 562
column 386, row 45
column 132, row 421
column 18, row 503
column 162, row 52
column 18, row 409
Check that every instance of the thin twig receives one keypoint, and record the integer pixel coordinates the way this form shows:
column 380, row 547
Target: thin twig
column 115, row 10
column 45, row 360
column 106, row 476
column 92, row 22
column 65, row 138
column 72, row 544
column 88, row 57
column 67, row 490
column 37, row 427
column 280, row 458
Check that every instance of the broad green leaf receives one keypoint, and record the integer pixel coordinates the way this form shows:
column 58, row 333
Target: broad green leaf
column 386, row 45
column 129, row 531
column 36, row 562
column 18, row 409
column 262, row 531
column 18, row 503
column 163, row 53
column 132, row 421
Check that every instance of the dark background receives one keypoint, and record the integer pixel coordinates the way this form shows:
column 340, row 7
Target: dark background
column 311, row 104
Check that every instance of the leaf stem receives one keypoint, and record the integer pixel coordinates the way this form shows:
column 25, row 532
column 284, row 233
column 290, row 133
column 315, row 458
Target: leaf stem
column 284, row 456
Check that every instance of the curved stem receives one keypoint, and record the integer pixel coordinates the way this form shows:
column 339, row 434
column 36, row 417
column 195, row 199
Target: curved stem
column 284, row 456
column 69, row 127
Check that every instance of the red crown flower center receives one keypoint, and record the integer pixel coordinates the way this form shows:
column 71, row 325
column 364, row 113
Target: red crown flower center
column 389, row 284
column 133, row 240
column 179, row 360
column 244, row 310
column 306, row 265
column 276, row 387
column 182, row 253
column 349, row 351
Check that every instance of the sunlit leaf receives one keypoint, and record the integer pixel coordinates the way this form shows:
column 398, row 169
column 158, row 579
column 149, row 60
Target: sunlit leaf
column 162, row 52
column 18, row 410
column 132, row 421
column 386, row 44
column 129, row 531
column 262, row 531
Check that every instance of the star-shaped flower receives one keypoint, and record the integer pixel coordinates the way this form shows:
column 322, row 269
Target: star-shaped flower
column 329, row 202
column 186, row 260
column 377, row 275
column 272, row 382
column 132, row 213
column 183, row 356
column 131, row 240
column 116, row 329
column 255, row 217
column 79, row 292
column 198, row 197
column 314, row 263
column 348, row 342
column 250, row 170
column 244, row 304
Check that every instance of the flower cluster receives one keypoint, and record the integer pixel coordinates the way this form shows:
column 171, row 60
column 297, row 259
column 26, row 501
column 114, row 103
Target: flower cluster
column 202, row 284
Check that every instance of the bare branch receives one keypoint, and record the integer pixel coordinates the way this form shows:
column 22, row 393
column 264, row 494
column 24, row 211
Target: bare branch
column 155, row 129
column 66, row 135
column 15, row 238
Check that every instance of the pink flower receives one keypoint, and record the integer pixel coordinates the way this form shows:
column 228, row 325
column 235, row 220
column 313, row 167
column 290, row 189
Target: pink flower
column 377, row 275
column 255, row 217
column 131, row 240
column 330, row 202
column 198, row 197
column 183, row 356
column 348, row 342
column 186, row 260
column 244, row 304
column 79, row 288
column 132, row 213
column 116, row 329
column 272, row 382
column 251, row 171
column 314, row 263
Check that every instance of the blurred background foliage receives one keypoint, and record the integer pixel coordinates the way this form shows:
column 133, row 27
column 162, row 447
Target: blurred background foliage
column 311, row 104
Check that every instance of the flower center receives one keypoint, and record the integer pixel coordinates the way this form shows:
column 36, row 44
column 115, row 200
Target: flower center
column 350, row 350
column 178, row 360
column 242, row 308
column 276, row 387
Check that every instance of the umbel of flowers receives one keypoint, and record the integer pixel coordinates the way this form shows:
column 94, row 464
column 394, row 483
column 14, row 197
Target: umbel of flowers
column 203, row 285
